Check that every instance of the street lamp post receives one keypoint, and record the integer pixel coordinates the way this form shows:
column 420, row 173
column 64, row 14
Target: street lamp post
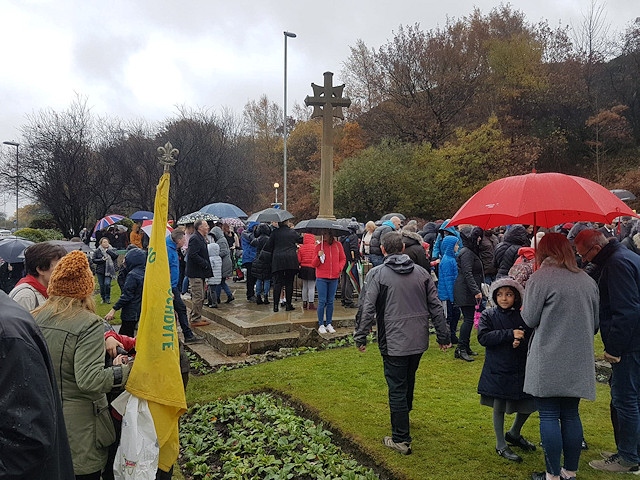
column 17, row 145
column 286, row 35
column 276, row 185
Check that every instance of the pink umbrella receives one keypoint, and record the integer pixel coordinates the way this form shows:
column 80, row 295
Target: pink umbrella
column 148, row 224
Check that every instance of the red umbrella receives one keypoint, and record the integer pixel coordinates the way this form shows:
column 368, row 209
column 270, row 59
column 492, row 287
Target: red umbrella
column 147, row 225
column 540, row 199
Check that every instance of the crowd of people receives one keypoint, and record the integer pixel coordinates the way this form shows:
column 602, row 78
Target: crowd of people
column 536, row 296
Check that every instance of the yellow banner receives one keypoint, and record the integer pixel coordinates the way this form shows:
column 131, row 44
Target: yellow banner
column 155, row 375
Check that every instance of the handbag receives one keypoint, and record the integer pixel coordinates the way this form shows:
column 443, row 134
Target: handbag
column 476, row 315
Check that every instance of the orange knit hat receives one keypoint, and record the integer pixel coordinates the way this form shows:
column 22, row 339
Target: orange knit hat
column 72, row 277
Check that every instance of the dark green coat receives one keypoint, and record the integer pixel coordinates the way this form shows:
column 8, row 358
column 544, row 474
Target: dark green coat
column 76, row 342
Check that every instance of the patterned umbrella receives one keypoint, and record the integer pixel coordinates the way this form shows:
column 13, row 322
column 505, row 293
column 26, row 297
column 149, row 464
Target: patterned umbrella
column 107, row 220
column 192, row 217
column 147, row 225
column 233, row 222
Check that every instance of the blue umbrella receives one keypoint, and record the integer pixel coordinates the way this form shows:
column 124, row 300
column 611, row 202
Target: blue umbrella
column 142, row 215
column 223, row 210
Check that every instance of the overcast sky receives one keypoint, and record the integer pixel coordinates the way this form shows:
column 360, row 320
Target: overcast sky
column 141, row 58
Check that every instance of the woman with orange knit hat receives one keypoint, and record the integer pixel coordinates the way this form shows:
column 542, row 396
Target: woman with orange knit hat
column 75, row 337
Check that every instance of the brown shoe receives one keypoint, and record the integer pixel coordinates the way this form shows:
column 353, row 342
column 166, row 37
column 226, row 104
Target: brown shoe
column 200, row 323
column 312, row 306
column 305, row 305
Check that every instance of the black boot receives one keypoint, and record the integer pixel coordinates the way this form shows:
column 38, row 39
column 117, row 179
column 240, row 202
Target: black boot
column 288, row 307
column 461, row 352
column 471, row 352
column 259, row 299
column 266, row 300
column 275, row 307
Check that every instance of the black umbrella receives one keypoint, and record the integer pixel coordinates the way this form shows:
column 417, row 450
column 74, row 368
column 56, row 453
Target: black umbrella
column 318, row 226
column 624, row 195
column 11, row 248
column 71, row 246
column 270, row 215
column 388, row 216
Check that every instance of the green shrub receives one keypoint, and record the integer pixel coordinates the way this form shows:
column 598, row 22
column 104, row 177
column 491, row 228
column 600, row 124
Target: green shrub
column 39, row 235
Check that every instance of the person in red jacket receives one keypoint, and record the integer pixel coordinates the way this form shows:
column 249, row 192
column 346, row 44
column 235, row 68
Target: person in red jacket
column 307, row 273
column 329, row 260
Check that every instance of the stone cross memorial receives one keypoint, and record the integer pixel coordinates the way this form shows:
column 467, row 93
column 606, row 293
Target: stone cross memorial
column 327, row 102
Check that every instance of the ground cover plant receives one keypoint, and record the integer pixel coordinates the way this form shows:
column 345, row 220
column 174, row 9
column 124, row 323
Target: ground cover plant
column 258, row 436
column 452, row 433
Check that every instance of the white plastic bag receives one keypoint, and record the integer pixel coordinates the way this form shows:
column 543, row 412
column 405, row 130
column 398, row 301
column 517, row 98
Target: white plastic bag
column 137, row 454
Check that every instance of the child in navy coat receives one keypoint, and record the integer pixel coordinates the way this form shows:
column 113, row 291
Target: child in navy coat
column 505, row 336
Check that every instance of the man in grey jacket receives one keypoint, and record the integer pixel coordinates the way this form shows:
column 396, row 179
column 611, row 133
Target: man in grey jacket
column 400, row 296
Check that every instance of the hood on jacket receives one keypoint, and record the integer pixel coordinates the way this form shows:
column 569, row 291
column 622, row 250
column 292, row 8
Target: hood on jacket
column 309, row 239
column 430, row 227
column 411, row 238
column 527, row 252
column 216, row 233
column 400, row 263
column 445, row 228
column 389, row 223
column 471, row 237
column 252, row 225
column 517, row 235
column 214, row 249
column 135, row 257
column 507, row 282
column 448, row 245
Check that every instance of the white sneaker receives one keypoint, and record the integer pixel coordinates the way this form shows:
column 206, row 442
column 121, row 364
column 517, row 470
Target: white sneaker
column 321, row 329
column 330, row 329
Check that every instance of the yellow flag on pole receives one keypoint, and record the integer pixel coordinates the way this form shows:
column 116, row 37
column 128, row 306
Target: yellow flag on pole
column 155, row 375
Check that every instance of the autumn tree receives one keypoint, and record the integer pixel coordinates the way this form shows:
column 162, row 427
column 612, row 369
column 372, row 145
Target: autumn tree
column 610, row 131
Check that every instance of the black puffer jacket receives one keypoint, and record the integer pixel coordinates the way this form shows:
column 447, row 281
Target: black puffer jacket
column 260, row 268
column 376, row 238
column 504, row 366
column 413, row 247
column 470, row 274
column 131, row 299
column 198, row 265
column 506, row 252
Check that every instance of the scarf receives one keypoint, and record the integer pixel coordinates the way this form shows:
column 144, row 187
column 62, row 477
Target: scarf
column 33, row 282
column 109, row 268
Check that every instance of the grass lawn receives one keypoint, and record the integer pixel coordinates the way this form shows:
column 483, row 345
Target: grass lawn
column 452, row 433
column 102, row 308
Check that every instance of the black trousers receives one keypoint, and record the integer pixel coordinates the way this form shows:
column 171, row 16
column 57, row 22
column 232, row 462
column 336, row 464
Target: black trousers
column 283, row 278
column 251, row 281
column 400, row 373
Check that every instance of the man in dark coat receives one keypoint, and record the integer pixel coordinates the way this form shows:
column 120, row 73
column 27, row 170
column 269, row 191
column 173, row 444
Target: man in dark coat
column 33, row 437
column 376, row 257
column 351, row 252
column 619, row 286
column 198, row 268
column 506, row 252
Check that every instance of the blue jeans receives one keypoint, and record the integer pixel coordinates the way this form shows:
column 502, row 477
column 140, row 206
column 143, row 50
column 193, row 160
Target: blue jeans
column 376, row 259
column 185, row 285
column 262, row 287
column 560, row 432
column 223, row 285
column 326, row 288
column 105, row 287
column 625, row 398
column 400, row 374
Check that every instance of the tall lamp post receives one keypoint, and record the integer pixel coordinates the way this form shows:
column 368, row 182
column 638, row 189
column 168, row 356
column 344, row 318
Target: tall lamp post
column 17, row 145
column 276, row 185
column 286, row 35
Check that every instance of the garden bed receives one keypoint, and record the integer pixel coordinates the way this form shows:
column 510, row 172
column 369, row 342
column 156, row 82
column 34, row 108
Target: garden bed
column 266, row 435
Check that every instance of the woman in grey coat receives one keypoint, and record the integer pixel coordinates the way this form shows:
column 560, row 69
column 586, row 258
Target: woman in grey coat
column 561, row 305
